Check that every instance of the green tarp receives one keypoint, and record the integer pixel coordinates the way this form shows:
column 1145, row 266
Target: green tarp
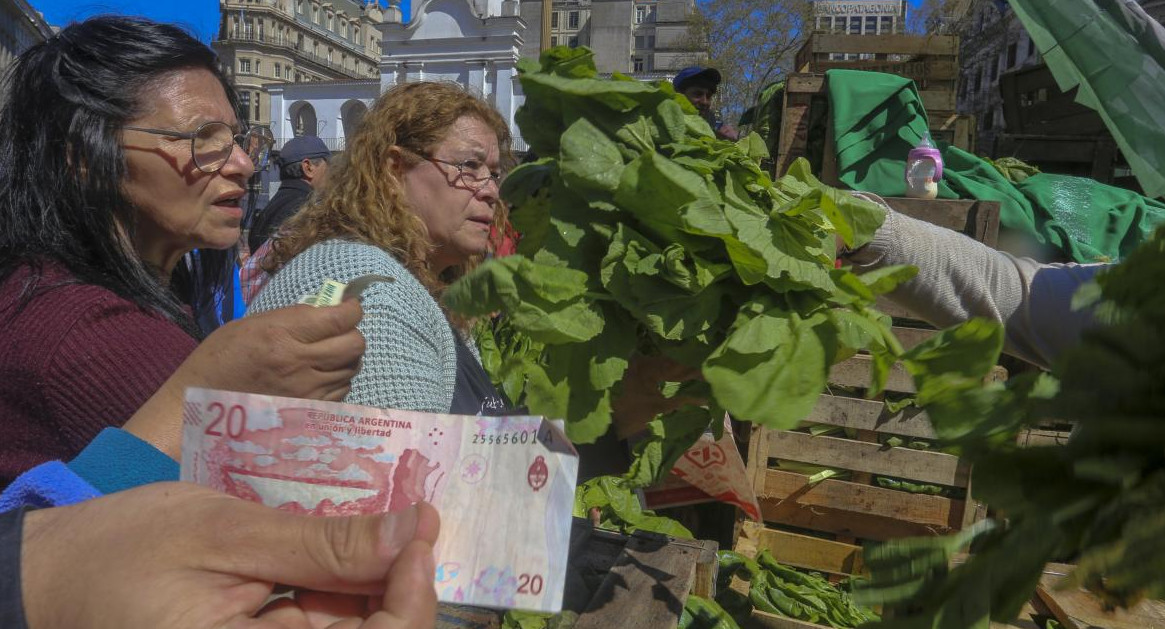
column 877, row 118
column 1115, row 55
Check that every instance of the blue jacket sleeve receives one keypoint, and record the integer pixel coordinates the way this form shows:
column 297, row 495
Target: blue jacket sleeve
column 114, row 461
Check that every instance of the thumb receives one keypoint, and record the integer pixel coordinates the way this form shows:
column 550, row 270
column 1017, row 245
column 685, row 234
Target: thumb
column 309, row 324
column 330, row 554
column 410, row 600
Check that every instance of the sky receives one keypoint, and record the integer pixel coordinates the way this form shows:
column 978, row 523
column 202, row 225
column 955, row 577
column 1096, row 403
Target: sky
column 200, row 16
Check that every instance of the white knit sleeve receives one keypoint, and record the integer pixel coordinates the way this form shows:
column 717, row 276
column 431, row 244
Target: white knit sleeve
column 959, row 278
column 410, row 360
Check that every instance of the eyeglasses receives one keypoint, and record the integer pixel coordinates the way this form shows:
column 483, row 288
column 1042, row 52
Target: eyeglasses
column 211, row 144
column 471, row 172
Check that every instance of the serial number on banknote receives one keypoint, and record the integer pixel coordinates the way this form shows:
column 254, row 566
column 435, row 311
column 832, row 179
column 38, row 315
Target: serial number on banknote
column 516, row 438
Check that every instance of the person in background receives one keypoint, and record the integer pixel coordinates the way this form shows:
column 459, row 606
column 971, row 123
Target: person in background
column 415, row 200
column 120, row 153
column 699, row 85
column 303, row 167
column 181, row 556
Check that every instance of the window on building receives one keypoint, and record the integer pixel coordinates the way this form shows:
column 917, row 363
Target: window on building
column 277, row 71
column 331, row 22
column 638, row 65
column 855, row 25
column 887, row 24
column 640, row 14
column 258, row 69
column 554, row 19
column 315, row 14
column 257, row 113
column 1031, row 48
column 245, row 66
column 640, row 41
column 299, row 41
column 572, row 19
column 1012, row 51
column 245, row 104
column 651, row 42
column 871, row 24
column 344, row 29
column 299, row 6
column 824, row 23
column 553, row 40
column 573, row 43
column 651, row 13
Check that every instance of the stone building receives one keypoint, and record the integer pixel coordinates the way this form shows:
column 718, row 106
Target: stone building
column 262, row 42
column 21, row 26
column 859, row 17
column 640, row 37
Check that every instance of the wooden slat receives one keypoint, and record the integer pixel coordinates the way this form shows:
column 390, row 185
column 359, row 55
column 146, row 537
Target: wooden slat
column 870, row 415
column 939, row 68
column 916, row 465
column 802, row 551
column 846, row 523
column 910, row 337
column 885, row 44
column 782, row 487
column 707, row 565
column 855, row 372
column 1081, row 605
column 647, row 586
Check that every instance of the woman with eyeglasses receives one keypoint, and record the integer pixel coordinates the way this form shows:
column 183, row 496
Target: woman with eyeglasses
column 414, row 198
column 120, row 153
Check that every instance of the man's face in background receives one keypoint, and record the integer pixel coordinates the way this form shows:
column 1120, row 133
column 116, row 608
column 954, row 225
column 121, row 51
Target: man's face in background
column 701, row 95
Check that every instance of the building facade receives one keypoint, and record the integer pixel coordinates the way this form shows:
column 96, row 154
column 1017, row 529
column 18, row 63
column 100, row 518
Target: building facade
column 21, row 26
column 262, row 42
column 636, row 37
column 860, row 17
column 992, row 42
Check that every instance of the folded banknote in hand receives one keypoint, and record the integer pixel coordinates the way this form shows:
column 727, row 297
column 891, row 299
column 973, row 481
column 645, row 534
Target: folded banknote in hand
column 504, row 486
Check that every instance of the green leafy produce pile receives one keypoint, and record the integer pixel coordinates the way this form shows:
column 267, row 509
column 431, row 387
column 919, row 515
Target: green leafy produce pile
column 1099, row 499
column 1014, row 169
column 645, row 235
column 778, row 589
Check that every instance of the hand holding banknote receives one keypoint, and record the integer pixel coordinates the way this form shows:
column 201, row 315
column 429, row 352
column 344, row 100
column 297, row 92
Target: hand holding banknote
column 504, row 485
column 298, row 351
column 180, row 556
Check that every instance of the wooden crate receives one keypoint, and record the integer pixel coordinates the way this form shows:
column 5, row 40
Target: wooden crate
column 932, row 61
column 805, row 129
column 1083, row 156
column 1033, row 104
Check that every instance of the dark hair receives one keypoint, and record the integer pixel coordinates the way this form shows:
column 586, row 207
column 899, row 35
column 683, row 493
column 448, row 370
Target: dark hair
column 294, row 170
column 62, row 164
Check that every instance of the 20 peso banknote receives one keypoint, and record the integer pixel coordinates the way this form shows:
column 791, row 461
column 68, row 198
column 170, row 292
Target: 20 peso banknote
column 504, row 486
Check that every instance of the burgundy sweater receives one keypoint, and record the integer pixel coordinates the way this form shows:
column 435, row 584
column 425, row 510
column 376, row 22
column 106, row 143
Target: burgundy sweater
column 76, row 359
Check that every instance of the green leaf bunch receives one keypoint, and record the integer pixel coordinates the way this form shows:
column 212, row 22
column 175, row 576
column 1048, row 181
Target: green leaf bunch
column 1098, row 499
column 643, row 234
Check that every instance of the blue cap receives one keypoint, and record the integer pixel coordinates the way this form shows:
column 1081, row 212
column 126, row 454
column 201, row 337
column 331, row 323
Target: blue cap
column 303, row 147
column 698, row 74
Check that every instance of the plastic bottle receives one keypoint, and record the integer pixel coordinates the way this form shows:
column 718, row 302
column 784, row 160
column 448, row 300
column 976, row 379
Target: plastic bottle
column 924, row 169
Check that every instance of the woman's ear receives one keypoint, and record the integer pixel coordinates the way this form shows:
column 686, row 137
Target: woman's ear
column 396, row 160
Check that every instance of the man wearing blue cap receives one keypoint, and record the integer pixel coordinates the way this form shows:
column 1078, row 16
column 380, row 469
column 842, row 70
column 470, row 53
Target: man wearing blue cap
column 699, row 85
column 303, row 166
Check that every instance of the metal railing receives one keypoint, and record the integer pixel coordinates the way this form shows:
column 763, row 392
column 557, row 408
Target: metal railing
column 287, row 44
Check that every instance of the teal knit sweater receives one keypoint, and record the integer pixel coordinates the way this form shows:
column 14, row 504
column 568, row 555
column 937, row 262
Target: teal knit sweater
column 411, row 358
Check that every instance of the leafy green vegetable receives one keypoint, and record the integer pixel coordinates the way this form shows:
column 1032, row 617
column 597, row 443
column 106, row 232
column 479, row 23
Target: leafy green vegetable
column 778, row 589
column 619, row 508
column 1099, row 498
column 648, row 236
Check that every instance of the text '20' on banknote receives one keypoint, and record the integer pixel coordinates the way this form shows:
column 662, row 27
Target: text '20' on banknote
column 504, row 485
